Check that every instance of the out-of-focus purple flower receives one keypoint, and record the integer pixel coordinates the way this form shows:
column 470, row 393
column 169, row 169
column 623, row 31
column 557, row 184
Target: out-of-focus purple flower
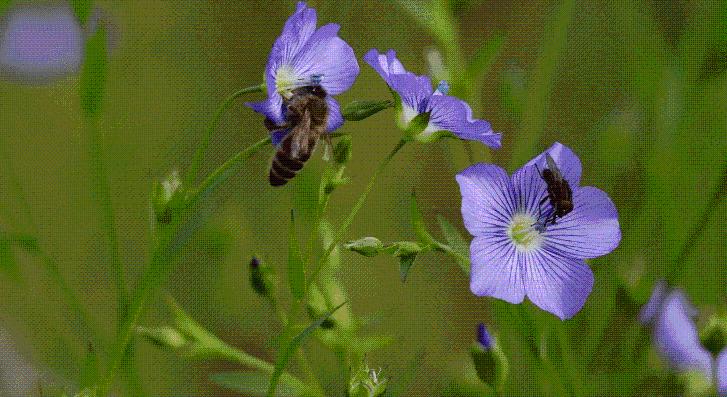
column 40, row 43
column 301, row 56
column 722, row 373
column 677, row 339
column 514, row 255
column 483, row 336
column 446, row 113
column 651, row 309
column 44, row 42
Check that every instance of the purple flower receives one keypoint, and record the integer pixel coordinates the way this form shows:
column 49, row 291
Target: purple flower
column 653, row 306
column 41, row 43
column 483, row 336
column 676, row 337
column 303, row 55
column 446, row 113
column 514, row 255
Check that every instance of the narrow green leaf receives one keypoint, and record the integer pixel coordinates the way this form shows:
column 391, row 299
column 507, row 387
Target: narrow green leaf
column 483, row 59
column 89, row 368
column 82, row 9
column 282, row 361
column 457, row 242
column 405, row 264
column 296, row 270
column 93, row 74
column 417, row 222
column 251, row 383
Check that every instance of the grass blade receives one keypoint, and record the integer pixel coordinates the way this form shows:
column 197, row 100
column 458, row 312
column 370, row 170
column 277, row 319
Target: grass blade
column 296, row 271
column 287, row 353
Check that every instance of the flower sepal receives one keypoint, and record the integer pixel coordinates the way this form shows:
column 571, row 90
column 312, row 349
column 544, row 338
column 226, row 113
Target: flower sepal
column 714, row 335
column 366, row 382
column 414, row 130
column 489, row 360
column 262, row 278
column 360, row 110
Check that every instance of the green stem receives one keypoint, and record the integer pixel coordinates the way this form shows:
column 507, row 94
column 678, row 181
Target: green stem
column 224, row 172
column 349, row 219
column 699, row 228
column 439, row 246
column 160, row 266
column 226, row 104
column 228, row 352
column 102, row 195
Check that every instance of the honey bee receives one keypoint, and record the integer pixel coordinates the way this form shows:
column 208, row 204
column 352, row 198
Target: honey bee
column 306, row 116
column 559, row 192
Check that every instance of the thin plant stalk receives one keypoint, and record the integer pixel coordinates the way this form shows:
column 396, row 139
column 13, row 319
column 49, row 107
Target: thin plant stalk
column 349, row 219
column 102, row 195
column 161, row 263
column 202, row 149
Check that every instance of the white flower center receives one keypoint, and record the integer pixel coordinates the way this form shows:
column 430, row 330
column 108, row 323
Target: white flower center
column 285, row 80
column 524, row 233
column 407, row 115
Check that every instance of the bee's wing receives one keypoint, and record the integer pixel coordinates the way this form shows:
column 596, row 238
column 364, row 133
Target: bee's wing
column 553, row 167
column 301, row 141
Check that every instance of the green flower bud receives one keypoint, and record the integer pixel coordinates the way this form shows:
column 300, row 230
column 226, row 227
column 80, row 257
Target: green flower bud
column 342, row 151
column 166, row 337
column 167, row 196
column 714, row 335
column 262, row 277
column 366, row 382
column 490, row 362
column 367, row 246
column 359, row 110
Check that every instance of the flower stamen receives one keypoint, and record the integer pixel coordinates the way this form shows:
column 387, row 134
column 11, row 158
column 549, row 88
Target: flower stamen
column 524, row 233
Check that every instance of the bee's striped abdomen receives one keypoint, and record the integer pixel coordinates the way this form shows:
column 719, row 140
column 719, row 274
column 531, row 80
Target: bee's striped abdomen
column 284, row 168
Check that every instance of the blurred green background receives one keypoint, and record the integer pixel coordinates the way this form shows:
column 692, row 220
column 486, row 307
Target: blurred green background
column 637, row 88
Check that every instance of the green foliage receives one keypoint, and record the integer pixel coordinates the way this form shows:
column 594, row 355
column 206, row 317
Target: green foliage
column 252, row 384
column 93, row 73
column 82, row 9
column 5, row 5
column 417, row 222
column 90, row 368
column 285, row 354
column 296, row 266
column 457, row 242
column 360, row 110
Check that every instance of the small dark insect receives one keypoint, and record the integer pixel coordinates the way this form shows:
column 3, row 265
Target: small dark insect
column 306, row 115
column 559, row 192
